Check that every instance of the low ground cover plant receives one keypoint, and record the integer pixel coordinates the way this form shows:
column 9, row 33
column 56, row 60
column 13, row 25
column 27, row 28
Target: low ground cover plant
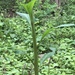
column 16, row 45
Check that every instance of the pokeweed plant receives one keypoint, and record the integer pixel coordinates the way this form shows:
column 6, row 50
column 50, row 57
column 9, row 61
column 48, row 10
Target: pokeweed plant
column 30, row 18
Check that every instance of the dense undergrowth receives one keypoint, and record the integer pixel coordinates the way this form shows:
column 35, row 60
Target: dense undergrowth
column 16, row 43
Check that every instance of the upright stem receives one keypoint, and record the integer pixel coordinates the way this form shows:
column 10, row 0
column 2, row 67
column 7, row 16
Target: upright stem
column 34, row 45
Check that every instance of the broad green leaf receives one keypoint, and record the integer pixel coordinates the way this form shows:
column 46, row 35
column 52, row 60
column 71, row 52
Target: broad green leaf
column 53, row 49
column 29, row 6
column 65, row 25
column 26, row 16
column 48, row 55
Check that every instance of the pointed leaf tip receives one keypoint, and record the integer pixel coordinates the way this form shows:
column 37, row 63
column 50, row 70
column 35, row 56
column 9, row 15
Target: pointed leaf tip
column 29, row 6
column 48, row 55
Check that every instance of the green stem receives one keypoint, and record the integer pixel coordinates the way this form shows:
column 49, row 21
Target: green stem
column 34, row 45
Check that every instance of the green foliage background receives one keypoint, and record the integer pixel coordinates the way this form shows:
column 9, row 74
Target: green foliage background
column 16, row 40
